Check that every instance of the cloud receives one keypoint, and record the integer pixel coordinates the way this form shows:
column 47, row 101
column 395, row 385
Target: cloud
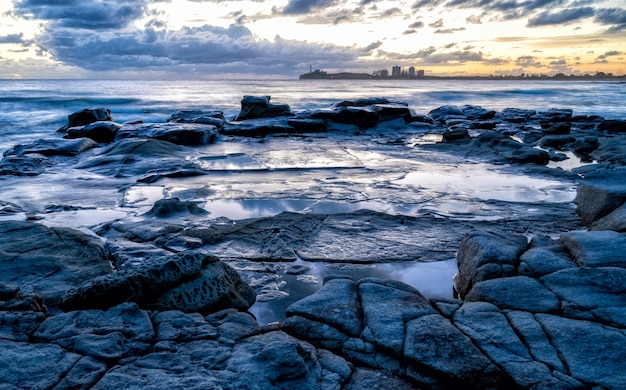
column 609, row 54
column 418, row 24
column 233, row 49
column 528, row 61
column 561, row 17
column 612, row 16
column 13, row 38
column 84, row 14
column 301, row 7
column 448, row 30
column 432, row 56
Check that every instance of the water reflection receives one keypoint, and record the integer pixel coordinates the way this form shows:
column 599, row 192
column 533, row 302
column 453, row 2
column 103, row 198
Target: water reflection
column 431, row 279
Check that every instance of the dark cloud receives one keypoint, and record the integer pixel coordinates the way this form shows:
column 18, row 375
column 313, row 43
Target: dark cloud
column 609, row 54
column 13, row 38
column 233, row 49
column 561, row 17
column 391, row 12
column 372, row 46
column 85, row 14
column 418, row 24
column 300, row 7
column 437, row 24
column 433, row 56
column 448, row 30
column 612, row 16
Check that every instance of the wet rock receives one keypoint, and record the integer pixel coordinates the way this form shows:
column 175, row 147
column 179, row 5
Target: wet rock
column 362, row 117
column 484, row 256
column 84, row 374
column 459, row 135
column 259, row 127
column 515, row 293
column 138, row 157
column 604, row 248
column 613, row 126
column 188, row 281
column 53, row 147
column 557, row 141
column 87, row 116
column 19, row 325
column 215, row 118
column 596, row 294
column 516, row 115
column 558, row 129
column 12, row 300
column 611, row 150
column 477, row 113
column 166, row 208
column 527, row 155
column 254, row 107
column 29, row 165
column 101, row 131
column 48, row 261
column 120, row 331
column 196, row 134
column 444, row 113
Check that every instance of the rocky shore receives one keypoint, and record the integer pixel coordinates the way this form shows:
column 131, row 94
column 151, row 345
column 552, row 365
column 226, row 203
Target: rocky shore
column 162, row 300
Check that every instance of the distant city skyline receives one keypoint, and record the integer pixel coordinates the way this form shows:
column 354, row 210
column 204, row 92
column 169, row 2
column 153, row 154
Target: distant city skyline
column 196, row 39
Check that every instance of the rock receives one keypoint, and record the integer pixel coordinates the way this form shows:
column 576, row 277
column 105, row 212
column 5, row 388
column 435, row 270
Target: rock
column 217, row 287
column 335, row 304
column 87, row 116
column 30, row 165
column 444, row 113
column 109, row 335
column 84, row 374
column 195, row 134
column 137, row 157
column 165, row 208
column 101, row 131
column 387, row 308
column 254, row 107
column 456, row 135
column 558, row 129
column 484, row 256
column 557, row 141
column 435, row 347
column 48, row 261
column 215, row 118
column 593, row 353
column 527, row 155
column 259, row 127
column 611, row 150
column 613, row 126
column 515, row 293
column 599, row 194
column 390, row 111
column 615, row 221
column 596, row 294
column 177, row 326
column 34, row 366
column 53, row 147
column 19, row 325
column 188, row 281
column 491, row 332
column 477, row 113
column 517, row 115
column 604, row 248
column 539, row 261
column 362, row 117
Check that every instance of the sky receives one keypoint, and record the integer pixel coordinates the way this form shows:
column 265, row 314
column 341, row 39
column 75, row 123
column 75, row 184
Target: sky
column 204, row 39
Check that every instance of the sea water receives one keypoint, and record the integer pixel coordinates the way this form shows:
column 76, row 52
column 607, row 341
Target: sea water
column 30, row 109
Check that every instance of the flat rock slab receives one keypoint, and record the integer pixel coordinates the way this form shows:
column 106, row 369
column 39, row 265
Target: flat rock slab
column 604, row 248
column 48, row 261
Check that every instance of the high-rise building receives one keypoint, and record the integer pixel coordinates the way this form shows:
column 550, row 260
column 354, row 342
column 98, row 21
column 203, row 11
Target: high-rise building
column 412, row 71
column 396, row 71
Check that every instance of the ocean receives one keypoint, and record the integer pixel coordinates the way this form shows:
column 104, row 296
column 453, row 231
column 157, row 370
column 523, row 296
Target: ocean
column 30, row 109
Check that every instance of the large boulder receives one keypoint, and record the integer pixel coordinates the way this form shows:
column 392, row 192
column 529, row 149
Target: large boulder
column 100, row 131
column 187, row 281
column 601, row 248
column 53, row 147
column 195, row 134
column 86, row 116
column 515, row 293
column 254, row 107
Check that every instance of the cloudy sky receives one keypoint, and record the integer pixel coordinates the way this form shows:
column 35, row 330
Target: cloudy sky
column 283, row 38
